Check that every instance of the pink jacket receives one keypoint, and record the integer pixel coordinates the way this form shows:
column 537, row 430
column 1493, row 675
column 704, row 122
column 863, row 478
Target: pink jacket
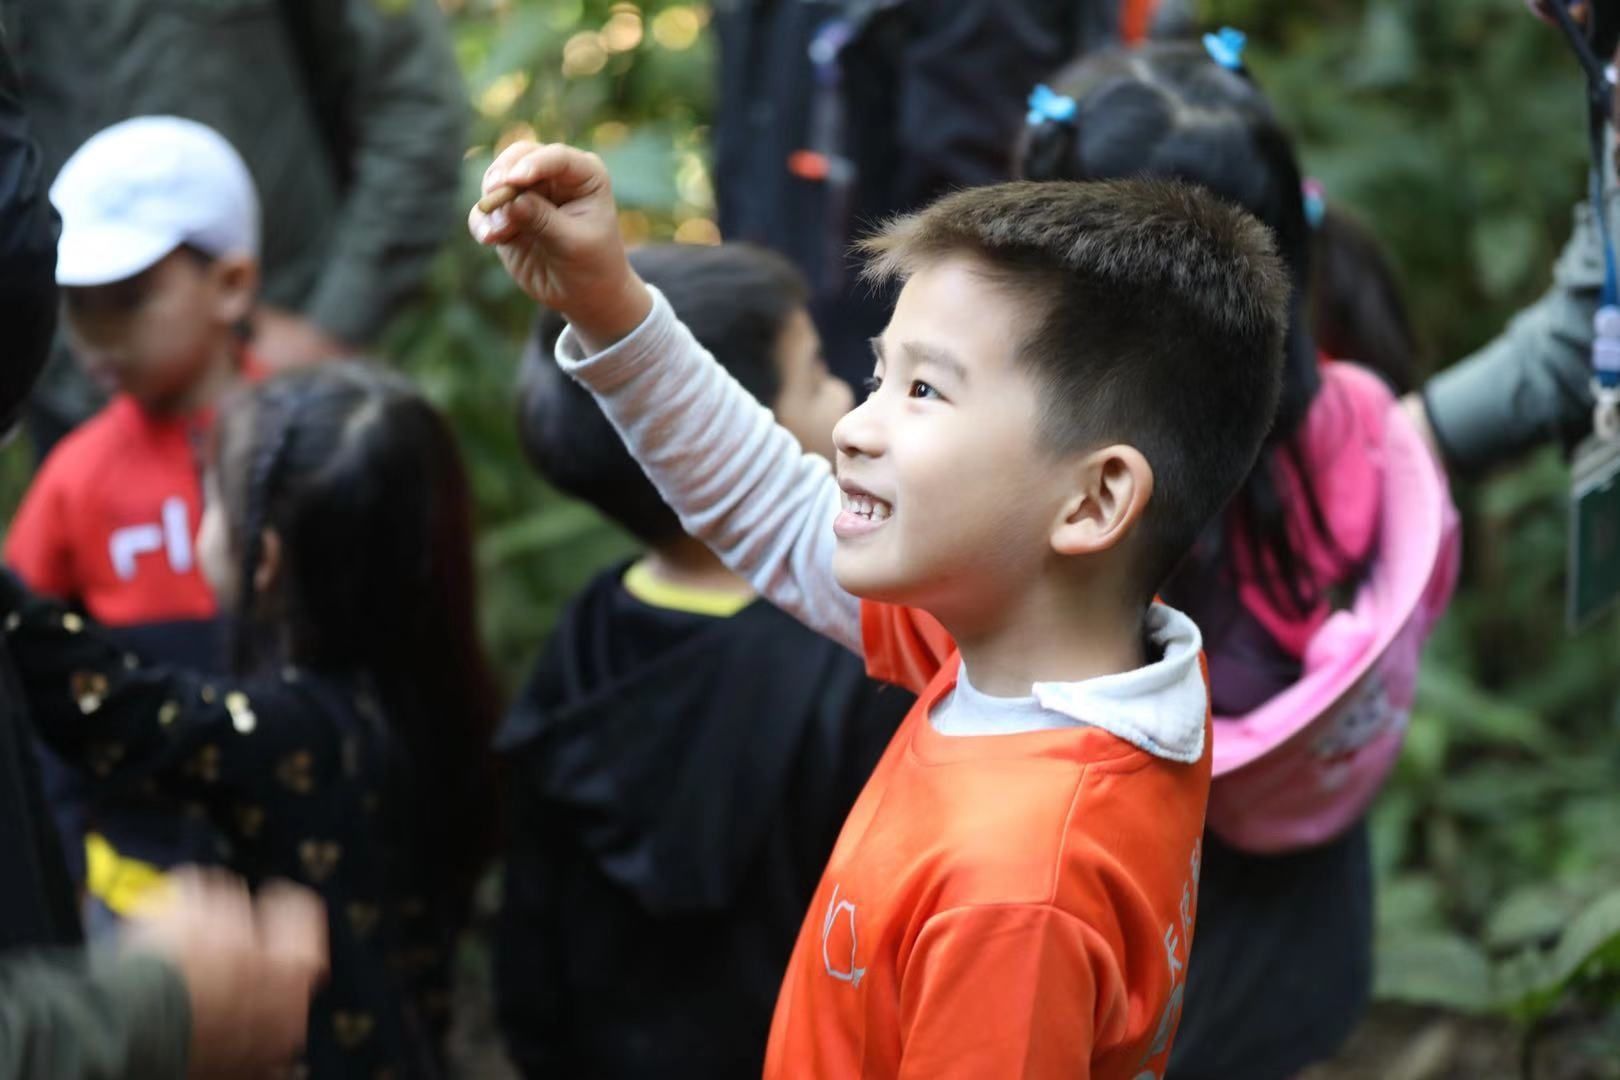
column 1299, row 769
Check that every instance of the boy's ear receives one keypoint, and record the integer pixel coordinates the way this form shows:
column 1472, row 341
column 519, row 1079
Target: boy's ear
column 1112, row 491
column 236, row 286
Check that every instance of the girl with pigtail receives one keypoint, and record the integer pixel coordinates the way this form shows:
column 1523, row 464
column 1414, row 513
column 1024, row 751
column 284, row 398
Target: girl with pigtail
column 1297, row 639
column 348, row 750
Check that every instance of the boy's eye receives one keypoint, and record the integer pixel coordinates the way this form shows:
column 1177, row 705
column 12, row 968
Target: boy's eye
column 920, row 389
column 870, row 384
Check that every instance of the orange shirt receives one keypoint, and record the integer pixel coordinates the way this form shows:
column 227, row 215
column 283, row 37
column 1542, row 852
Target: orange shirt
column 996, row 906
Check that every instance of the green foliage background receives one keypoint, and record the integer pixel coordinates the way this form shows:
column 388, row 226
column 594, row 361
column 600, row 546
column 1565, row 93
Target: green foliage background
column 1454, row 128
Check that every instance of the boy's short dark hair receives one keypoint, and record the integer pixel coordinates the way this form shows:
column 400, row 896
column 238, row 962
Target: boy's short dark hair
column 1158, row 314
column 735, row 298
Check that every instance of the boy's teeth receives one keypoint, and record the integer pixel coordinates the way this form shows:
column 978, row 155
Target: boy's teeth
column 867, row 507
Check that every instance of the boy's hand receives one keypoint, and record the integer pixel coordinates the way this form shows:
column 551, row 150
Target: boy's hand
column 559, row 239
column 249, row 966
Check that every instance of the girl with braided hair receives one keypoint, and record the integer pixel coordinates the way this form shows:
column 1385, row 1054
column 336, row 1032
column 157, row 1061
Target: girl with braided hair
column 348, row 749
column 1314, row 591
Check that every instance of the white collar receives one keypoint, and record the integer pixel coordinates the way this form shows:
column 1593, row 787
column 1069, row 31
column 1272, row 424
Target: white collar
column 1160, row 707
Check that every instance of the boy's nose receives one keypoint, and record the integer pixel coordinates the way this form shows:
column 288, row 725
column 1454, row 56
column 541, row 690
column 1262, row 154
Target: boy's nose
column 859, row 432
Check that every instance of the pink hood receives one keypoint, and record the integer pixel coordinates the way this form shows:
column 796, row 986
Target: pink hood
column 1299, row 769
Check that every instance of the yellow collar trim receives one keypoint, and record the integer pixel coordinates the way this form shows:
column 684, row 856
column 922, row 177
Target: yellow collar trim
column 640, row 583
column 127, row 886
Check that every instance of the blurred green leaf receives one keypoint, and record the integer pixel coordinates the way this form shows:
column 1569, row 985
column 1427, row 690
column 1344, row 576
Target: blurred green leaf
column 1532, row 916
column 1388, row 53
column 1434, row 969
column 1531, row 982
column 1504, row 253
column 646, row 163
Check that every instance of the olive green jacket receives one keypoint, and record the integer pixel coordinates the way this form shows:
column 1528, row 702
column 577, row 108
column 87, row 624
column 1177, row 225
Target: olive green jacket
column 68, row 1015
column 351, row 115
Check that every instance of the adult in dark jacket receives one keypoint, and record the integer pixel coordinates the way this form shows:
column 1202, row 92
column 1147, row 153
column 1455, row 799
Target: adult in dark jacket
column 834, row 114
column 349, row 113
column 36, row 899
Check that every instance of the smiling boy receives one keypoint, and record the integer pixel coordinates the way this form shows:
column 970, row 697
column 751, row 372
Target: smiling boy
column 1075, row 379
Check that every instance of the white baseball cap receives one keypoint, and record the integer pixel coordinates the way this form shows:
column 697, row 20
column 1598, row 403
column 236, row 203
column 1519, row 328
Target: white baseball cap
column 138, row 190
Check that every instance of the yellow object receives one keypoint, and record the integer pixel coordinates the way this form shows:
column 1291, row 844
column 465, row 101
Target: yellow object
column 127, row 886
column 640, row 583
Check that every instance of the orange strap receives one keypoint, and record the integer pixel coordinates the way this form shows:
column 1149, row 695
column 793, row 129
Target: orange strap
column 1135, row 17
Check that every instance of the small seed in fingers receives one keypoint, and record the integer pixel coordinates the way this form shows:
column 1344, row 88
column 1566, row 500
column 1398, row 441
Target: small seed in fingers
column 498, row 198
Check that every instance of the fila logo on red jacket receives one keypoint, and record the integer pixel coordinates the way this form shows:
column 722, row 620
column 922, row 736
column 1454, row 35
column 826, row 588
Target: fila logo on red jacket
column 171, row 536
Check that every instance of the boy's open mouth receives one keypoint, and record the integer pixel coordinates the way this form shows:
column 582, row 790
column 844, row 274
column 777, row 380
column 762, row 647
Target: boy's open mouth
column 863, row 512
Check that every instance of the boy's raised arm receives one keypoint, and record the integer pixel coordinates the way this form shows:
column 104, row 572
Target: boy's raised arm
column 739, row 482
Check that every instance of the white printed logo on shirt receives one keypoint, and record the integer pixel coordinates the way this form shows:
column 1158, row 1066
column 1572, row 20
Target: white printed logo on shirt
column 1176, row 945
column 838, row 940
column 171, row 535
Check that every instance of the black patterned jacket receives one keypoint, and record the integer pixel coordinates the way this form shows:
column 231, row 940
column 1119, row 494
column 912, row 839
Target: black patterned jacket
column 294, row 770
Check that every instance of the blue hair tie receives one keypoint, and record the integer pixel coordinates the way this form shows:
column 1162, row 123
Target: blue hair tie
column 1225, row 47
column 1315, row 202
column 1045, row 104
